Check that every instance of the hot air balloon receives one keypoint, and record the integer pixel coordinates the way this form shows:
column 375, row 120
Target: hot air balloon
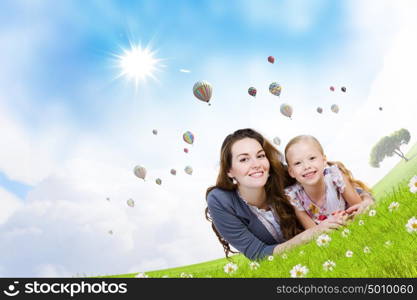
column 332, row 88
column 252, row 91
column 271, row 59
column 286, row 110
column 275, row 89
column 140, row 172
column 130, row 202
column 110, row 231
column 335, row 108
column 173, row 172
column 319, row 110
column 155, row 132
column 188, row 137
column 158, row 181
column 343, row 89
column 276, row 141
column 108, row 199
column 202, row 90
column 380, row 108
column 186, row 150
column 188, row 170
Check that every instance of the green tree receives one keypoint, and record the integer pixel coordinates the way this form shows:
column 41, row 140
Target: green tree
column 388, row 146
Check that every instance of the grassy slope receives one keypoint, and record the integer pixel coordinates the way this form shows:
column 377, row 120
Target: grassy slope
column 394, row 260
column 400, row 174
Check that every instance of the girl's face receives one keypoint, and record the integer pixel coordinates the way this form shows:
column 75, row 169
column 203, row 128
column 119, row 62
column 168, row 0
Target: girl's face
column 305, row 162
column 250, row 166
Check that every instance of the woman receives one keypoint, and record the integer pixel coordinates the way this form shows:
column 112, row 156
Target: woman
column 248, row 207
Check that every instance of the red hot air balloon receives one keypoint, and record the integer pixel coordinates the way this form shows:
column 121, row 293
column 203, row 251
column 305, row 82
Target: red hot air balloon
column 271, row 59
column 332, row 88
column 186, row 150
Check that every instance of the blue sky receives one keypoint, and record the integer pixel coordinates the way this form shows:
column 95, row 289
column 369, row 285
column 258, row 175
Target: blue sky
column 73, row 129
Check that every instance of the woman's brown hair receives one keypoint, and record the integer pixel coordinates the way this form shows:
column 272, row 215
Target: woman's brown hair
column 274, row 186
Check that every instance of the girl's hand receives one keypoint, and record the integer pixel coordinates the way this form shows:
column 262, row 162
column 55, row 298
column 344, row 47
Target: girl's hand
column 361, row 207
column 333, row 222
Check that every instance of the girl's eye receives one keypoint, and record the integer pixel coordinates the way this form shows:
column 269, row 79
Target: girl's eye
column 297, row 163
column 312, row 158
column 261, row 156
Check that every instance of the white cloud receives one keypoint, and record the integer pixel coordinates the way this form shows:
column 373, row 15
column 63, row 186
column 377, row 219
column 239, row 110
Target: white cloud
column 9, row 204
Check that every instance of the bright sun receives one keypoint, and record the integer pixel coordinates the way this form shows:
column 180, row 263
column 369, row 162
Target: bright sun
column 137, row 64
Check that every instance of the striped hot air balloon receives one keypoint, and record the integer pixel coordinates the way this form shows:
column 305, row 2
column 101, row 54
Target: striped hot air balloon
column 202, row 90
column 252, row 91
column 275, row 89
column 188, row 137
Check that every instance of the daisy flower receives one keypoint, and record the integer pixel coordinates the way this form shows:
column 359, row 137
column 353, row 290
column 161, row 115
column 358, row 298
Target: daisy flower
column 366, row 249
column 302, row 252
column 185, row 275
column 411, row 226
column 329, row 265
column 388, row 243
column 413, row 185
column 323, row 240
column 284, row 256
column 299, row 271
column 141, row 275
column 230, row 268
column 394, row 205
column 253, row 265
column 361, row 222
column 345, row 232
column 271, row 258
column 372, row 212
column 349, row 253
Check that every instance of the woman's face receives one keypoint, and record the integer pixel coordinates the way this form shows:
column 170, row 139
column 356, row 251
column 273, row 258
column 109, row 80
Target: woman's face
column 250, row 166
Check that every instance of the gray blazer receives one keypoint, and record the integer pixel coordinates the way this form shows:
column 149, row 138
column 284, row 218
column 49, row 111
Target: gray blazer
column 238, row 225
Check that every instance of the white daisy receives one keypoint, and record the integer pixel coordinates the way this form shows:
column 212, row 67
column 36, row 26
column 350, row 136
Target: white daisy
column 345, row 232
column 413, row 184
column 141, row 275
column 299, row 271
column 388, row 243
column 284, row 256
column 230, row 268
column 349, row 253
column 271, row 258
column 394, row 205
column 165, row 276
column 411, row 226
column 323, row 240
column 253, row 265
column 329, row 265
column 366, row 249
column 372, row 212
column 302, row 252
column 361, row 222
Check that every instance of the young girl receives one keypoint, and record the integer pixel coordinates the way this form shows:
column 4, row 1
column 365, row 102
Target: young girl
column 323, row 189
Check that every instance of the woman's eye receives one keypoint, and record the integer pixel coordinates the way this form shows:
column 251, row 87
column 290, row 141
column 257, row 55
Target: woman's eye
column 261, row 156
column 243, row 159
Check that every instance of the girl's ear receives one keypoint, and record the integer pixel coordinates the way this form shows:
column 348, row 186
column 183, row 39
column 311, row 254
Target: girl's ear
column 230, row 175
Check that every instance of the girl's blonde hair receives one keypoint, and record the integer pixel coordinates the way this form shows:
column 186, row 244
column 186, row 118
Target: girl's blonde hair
column 341, row 166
